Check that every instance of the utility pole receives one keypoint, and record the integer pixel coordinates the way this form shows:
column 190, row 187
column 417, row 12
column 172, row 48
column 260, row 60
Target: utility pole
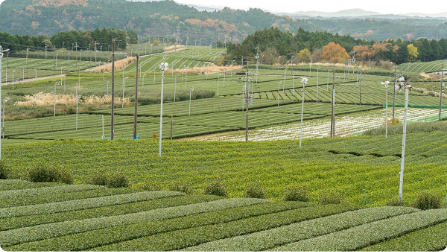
column 76, row 55
column 163, row 67
column 360, row 85
column 407, row 87
column 136, row 102
column 27, row 50
column 394, row 88
column 1, row 56
column 113, row 89
column 440, row 94
column 333, row 104
column 247, row 92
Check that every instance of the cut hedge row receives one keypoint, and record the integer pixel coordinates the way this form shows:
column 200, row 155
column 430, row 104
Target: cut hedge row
column 60, row 197
column 194, row 236
column 73, row 205
column 371, row 233
column 429, row 239
column 32, row 192
column 17, row 184
column 33, row 220
column 96, row 238
column 304, row 230
column 46, row 231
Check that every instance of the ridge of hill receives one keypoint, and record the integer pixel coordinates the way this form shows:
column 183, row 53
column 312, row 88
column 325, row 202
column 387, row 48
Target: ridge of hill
column 170, row 19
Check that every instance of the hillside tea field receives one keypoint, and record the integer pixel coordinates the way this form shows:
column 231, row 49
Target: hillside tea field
column 354, row 167
column 57, row 217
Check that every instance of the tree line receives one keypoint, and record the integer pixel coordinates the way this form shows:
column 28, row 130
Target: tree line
column 276, row 46
column 102, row 39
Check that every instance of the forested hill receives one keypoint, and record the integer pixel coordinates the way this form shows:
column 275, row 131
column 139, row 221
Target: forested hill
column 169, row 19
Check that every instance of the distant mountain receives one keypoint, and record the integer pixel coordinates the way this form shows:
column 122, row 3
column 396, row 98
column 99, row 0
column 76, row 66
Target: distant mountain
column 203, row 24
column 343, row 13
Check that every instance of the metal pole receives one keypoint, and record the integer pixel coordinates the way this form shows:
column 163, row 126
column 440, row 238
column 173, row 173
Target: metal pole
column 302, row 110
column 333, row 104
column 54, row 110
column 190, row 90
column 175, row 86
column 113, row 90
column 163, row 67
column 102, row 127
column 318, row 69
column 136, row 102
column 440, row 93
column 386, row 111
column 247, row 92
column 402, row 164
column 3, row 128
column 1, row 56
column 360, row 85
column 279, row 83
column 394, row 88
column 77, row 98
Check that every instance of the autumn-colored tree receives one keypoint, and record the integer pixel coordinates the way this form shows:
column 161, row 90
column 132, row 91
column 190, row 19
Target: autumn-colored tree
column 363, row 52
column 334, row 52
column 304, row 55
column 412, row 51
column 156, row 42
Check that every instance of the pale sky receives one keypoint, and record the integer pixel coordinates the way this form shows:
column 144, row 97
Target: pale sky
column 381, row 6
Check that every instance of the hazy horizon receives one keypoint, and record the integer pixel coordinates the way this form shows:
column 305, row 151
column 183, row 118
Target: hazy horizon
column 286, row 6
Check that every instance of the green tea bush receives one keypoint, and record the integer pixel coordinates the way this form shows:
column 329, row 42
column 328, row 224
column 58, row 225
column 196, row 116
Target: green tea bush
column 254, row 191
column 116, row 180
column 112, row 180
column 4, row 171
column 99, row 178
column 295, row 193
column 41, row 173
column 215, row 188
column 426, row 200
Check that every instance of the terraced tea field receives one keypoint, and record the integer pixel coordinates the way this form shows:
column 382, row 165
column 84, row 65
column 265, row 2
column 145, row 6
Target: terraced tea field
column 57, row 217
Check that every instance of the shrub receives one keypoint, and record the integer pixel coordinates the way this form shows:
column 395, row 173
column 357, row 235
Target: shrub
column 254, row 191
column 99, row 178
column 4, row 171
column 41, row 173
column 330, row 197
column 110, row 180
column 115, row 180
column 426, row 200
column 179, row 186
column 215, row 188
column 296, row 194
